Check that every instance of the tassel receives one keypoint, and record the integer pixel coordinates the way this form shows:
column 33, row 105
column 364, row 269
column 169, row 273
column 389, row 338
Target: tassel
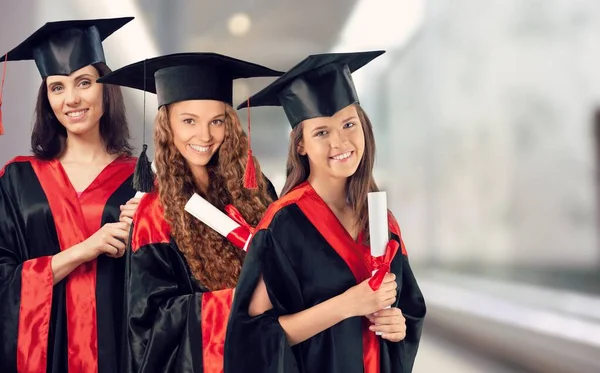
column 250, row 174
column 1, row 90
column 143, row 177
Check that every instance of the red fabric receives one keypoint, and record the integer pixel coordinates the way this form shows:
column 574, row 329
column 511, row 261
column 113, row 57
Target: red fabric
column 34, row 314
column 356, row 256
column 239, row 236
column 216, row 306
column 382, row 264
column 250, row 174
column 149, row 224
column 75, row 220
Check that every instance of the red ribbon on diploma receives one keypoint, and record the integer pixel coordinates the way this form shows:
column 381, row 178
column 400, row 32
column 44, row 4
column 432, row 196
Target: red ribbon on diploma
column 382, row 264
column 239, row 236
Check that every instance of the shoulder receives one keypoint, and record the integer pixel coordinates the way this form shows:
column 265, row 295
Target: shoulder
column 282, row 206
column 149, row 224
column 16, row 163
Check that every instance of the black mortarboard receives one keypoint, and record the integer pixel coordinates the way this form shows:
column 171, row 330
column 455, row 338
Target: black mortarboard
column 187, row 76
column 59, row 48
column 319, row 86
column 182, row 77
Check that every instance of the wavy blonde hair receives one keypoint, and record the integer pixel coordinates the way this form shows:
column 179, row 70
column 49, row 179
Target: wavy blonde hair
column 214, row 261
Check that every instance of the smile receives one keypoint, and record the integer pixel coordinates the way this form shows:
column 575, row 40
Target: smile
column 341, row 157
column 77, row 114
column 200, row 149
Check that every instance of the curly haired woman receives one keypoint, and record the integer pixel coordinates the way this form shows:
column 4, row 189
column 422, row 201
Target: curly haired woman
column 181, row 273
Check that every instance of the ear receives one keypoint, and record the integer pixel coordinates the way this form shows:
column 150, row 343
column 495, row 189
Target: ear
column 300, row 148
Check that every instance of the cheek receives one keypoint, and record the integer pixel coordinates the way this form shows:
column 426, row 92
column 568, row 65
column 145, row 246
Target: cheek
column 55, row 103
column 316, row 150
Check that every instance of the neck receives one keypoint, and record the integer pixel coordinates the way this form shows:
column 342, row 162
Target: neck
column 86, row 148
column 331, row 190
column 200, row 174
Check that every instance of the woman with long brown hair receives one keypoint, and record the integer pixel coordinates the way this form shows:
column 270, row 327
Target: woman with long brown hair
column 61, row 241
column 181, row 273
column 306, row 301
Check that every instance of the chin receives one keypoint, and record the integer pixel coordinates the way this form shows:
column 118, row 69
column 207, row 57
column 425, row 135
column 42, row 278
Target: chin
column 79, row 128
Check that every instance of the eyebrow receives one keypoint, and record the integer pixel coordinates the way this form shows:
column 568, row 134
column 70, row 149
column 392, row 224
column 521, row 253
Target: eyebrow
column 188, row 114
column 219, row 116
column 349, row 119
column 89, row 76
column 320, row 128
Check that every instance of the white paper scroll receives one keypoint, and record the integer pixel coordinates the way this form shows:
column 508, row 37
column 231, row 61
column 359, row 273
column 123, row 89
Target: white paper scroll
column 204, row 211
column 378, row 225
column 378, row 222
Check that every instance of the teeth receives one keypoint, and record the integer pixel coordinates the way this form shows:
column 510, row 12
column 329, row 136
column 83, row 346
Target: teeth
column 76, row 113
column 342, row 156
column 201, row 149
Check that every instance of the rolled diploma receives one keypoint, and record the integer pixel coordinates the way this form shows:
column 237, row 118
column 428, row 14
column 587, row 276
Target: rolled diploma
column 378, row 225
column 204, row 211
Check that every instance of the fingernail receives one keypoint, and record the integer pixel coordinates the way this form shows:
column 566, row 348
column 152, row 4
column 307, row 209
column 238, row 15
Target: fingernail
column 375, row 314
column 371, row 328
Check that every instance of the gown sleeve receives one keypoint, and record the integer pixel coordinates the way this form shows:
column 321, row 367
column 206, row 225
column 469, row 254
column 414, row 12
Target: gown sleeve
column 172, row 326
column 26, row 291
column 259, row 344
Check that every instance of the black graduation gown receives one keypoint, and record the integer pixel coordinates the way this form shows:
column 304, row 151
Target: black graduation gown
column 73, row 326
column 307, row 257
column 174, row 324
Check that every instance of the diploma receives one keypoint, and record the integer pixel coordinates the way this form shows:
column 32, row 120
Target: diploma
column 237, row 232
column 378, row 226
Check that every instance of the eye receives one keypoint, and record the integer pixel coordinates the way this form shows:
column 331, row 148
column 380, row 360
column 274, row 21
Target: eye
column 217, row 122
column 189, row 121
column 85, row 83
column 321, row 133
column 56, row 88
column 349, row 125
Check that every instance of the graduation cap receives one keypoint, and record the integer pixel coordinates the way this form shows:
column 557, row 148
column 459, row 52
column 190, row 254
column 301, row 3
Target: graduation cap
column 319, row 86
column 190, row 76
column 60, row 48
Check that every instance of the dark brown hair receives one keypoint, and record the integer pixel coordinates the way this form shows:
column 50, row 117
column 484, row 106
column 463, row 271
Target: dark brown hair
column 358, row 185
column 49, row 135
column 215, row 262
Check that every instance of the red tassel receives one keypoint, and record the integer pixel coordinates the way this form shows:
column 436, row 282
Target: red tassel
column 250, row 175
column 1, row 89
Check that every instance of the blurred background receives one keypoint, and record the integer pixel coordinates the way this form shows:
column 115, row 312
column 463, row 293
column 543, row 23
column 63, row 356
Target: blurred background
column 487, row 119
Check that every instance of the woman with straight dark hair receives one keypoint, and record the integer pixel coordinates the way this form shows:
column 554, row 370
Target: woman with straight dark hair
column 306, row 300
column 64, row 222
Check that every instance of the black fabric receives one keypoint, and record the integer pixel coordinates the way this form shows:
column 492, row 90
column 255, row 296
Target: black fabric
column 59, row 48
column 27, row 231
column 299, row 274
column 187, row 76
column 319, row 86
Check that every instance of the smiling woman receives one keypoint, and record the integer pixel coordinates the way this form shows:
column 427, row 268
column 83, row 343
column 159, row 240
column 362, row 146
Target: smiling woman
column 182, row 274
column 61, row 241
column 75, row 105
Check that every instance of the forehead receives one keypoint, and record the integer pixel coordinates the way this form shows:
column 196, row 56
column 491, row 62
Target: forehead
column 87, row 70
column 339, row 117
column 200, row 108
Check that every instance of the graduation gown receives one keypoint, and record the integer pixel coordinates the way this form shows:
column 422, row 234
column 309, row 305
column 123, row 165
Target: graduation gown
column 73, row 326
column 307, row 257
column 174, row 323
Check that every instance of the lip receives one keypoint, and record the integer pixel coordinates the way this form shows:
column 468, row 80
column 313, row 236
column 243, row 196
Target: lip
column 79, row 118
column 201, row 151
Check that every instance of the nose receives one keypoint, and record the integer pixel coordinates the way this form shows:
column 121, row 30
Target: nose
column 72, row 97
column 203, row 134
column 337, row 138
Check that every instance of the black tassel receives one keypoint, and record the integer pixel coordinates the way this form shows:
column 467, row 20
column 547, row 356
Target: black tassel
column 143, row 177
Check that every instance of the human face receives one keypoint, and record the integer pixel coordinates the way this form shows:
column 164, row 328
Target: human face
column 334, row 145
column 198, row 128
column 76, row 100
